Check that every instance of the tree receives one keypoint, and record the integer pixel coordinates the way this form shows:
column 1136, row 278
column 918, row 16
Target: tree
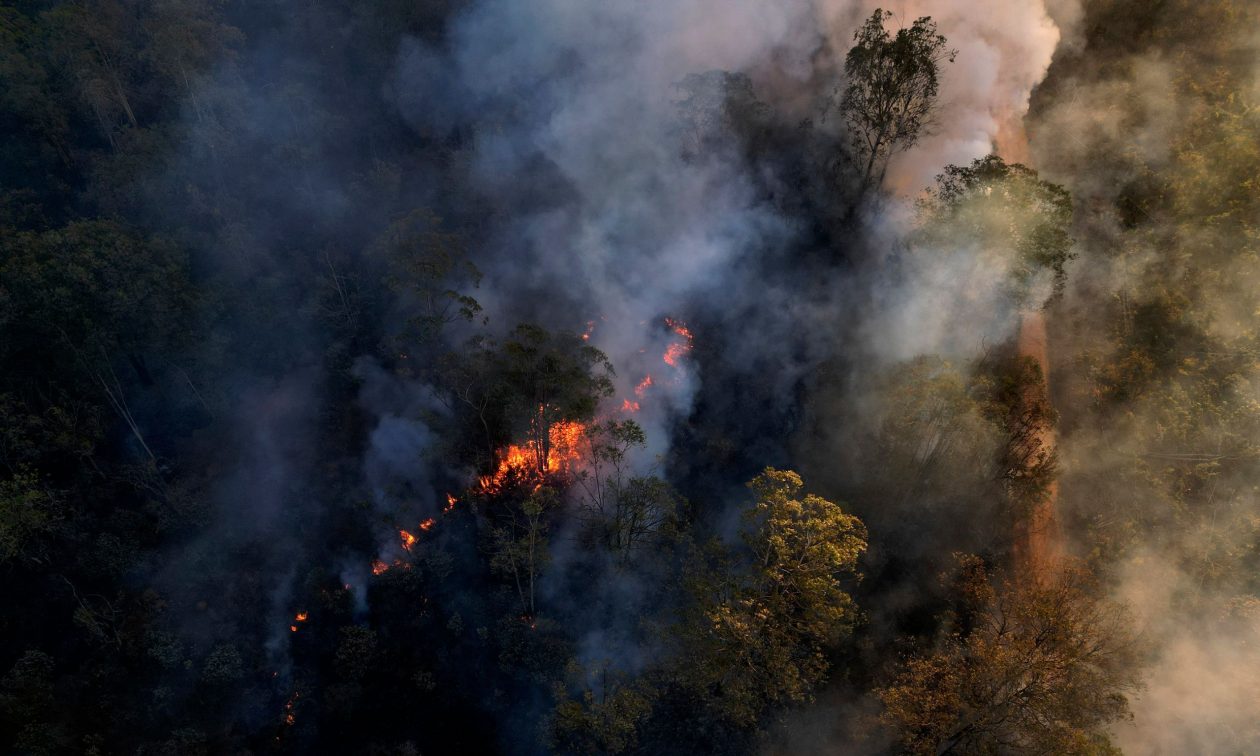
column 891, row 89
column 521, row 546
column 1026, row 665
column 625, row 511
column 548, row 378
column 106, row 297
column 757, row 636
column 1005, row 209
column 428, row 266
column 604, row 716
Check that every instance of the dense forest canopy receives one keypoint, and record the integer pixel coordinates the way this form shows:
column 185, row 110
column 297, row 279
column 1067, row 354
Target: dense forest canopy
column 474, row 376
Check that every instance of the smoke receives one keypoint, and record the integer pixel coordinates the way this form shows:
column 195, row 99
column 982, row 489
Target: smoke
column 584, row 207
column 1122, row 124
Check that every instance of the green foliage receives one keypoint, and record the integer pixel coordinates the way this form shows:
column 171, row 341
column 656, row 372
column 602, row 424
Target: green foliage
column 604, row 716
column 28, row 518
column 625, row 512
column 992, row 205
column 520, row 546
column 759, row 637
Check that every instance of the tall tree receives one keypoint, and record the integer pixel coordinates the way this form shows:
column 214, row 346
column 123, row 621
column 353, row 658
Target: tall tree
column 1025, row 666
column 890, row 90
column 759, row 635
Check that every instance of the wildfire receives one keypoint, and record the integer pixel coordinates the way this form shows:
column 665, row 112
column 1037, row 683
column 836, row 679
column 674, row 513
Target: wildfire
column 678, row 349
column 529, row 461
column 451, row 501
column 408, row 540
column 643, row 386
column 427, row 524
column 590, row 328
column 629, row 406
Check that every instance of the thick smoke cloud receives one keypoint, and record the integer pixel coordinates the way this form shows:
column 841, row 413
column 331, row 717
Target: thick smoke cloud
column 596, row 216
column 1108, row 131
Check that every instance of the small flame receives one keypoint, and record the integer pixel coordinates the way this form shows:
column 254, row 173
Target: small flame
column 297, row 618
column 426, row 525
column 379, row 567
column 408, row 540
column 629, row 406
column 644, row 385
column 590, row 328
column 451, row 501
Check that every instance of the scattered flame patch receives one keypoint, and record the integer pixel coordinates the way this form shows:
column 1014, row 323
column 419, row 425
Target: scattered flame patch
column 678, row 349
column 451, row 501
column 289, row 716
column 643, row 386
column 298, row 618
column 427, row 524
column 408, row 540
column 629, row 406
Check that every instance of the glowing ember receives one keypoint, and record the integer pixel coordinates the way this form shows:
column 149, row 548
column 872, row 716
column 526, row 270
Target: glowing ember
column 451, row 501
column 289, row 717
column 379, row 567
column 590, row 328
column 427, row 524
column 301, row 617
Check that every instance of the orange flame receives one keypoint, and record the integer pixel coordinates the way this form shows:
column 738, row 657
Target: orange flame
column 678, row 349
column 301, row 617
column 530, row 462
column 451, row 501
column 379, row 567
column 408, row 540
column 644, row 385
column 427, row 524
column 629, row 406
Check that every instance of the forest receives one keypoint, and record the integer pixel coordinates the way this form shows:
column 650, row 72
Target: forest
column 662, row 377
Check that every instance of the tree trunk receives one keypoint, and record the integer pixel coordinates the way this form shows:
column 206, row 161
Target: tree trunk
column 1038, row 546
